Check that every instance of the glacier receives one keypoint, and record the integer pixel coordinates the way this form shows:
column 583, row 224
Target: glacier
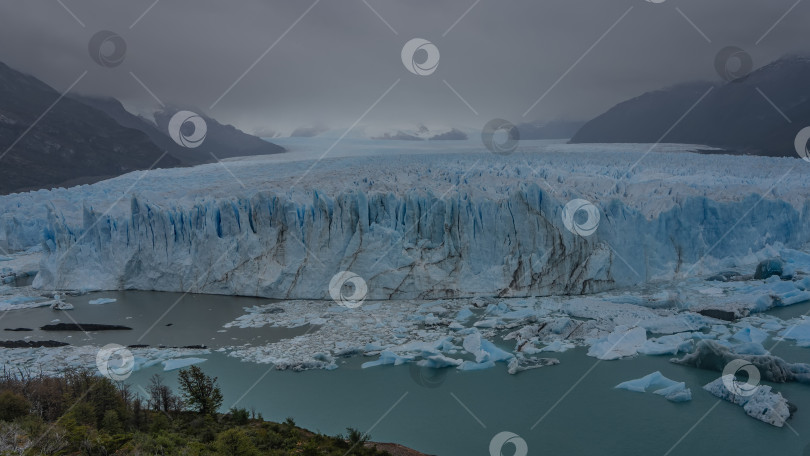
column 414, row 226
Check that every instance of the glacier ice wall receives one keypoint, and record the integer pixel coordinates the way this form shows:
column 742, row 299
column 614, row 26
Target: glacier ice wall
column 405, row 245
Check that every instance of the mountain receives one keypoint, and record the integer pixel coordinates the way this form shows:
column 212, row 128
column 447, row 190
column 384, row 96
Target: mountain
column 735, row 116
column 71, row 144
column 222, row 141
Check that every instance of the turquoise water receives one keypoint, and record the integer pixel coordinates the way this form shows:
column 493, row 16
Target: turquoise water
column 568, row 409
column 584, row 414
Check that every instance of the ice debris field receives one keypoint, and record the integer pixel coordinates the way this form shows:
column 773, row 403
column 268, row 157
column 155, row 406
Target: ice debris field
column 468, row 261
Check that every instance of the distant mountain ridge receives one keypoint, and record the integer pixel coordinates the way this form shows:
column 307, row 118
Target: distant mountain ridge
column 735, row 116
column 82, row 140
column 71, row 143
column 223, row 141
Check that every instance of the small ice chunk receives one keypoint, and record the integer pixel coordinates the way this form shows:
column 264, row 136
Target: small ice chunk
column 558, row 346
column 464, row 314
column 100, row 301
column 472, row 343
column 799, row 333
column 495, row 353
column 667, row 345
column 388, row 357
column 622, row 342
column 473, row 366
column 750, row 348
column 439, row 361
column 179, row 363
column 750, row 334
column 521, row 363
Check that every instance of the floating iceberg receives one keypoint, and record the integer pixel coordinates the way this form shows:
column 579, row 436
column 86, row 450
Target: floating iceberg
column 102, row 301
column 388, row 357
column 558, row 346
column 179, row 363
column 712, row 355
column 660, row 385
column 764, row 404
column 523, row 363
column 750, row 334
column 798, row 332
column 667, row 345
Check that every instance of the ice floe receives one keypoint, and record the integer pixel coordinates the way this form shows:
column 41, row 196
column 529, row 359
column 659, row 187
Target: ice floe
column 624, row 341
column 763, row 403
column 659, row 384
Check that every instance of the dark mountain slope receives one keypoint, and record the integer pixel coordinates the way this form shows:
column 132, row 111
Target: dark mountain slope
column 72, row 142
column 222, row 141
column 734, row 116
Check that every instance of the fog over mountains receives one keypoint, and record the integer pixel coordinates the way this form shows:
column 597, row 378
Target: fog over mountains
column 85, row 139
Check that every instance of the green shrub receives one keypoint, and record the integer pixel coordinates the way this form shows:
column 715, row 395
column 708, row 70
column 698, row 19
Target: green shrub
column 159, row 423
column 234, row 442
column 240, row 416
column 111, row 423
column 12, row 406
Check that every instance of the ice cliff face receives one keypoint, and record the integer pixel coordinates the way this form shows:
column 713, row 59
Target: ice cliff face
column 404, row 245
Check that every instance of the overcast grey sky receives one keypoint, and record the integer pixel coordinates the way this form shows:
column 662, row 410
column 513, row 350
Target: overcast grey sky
column 340, row 57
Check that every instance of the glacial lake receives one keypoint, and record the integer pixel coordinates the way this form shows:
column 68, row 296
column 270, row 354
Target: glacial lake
column 568, row 409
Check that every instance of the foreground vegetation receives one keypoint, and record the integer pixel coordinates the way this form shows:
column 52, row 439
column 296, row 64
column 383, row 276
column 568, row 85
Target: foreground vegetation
column 80, row 413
